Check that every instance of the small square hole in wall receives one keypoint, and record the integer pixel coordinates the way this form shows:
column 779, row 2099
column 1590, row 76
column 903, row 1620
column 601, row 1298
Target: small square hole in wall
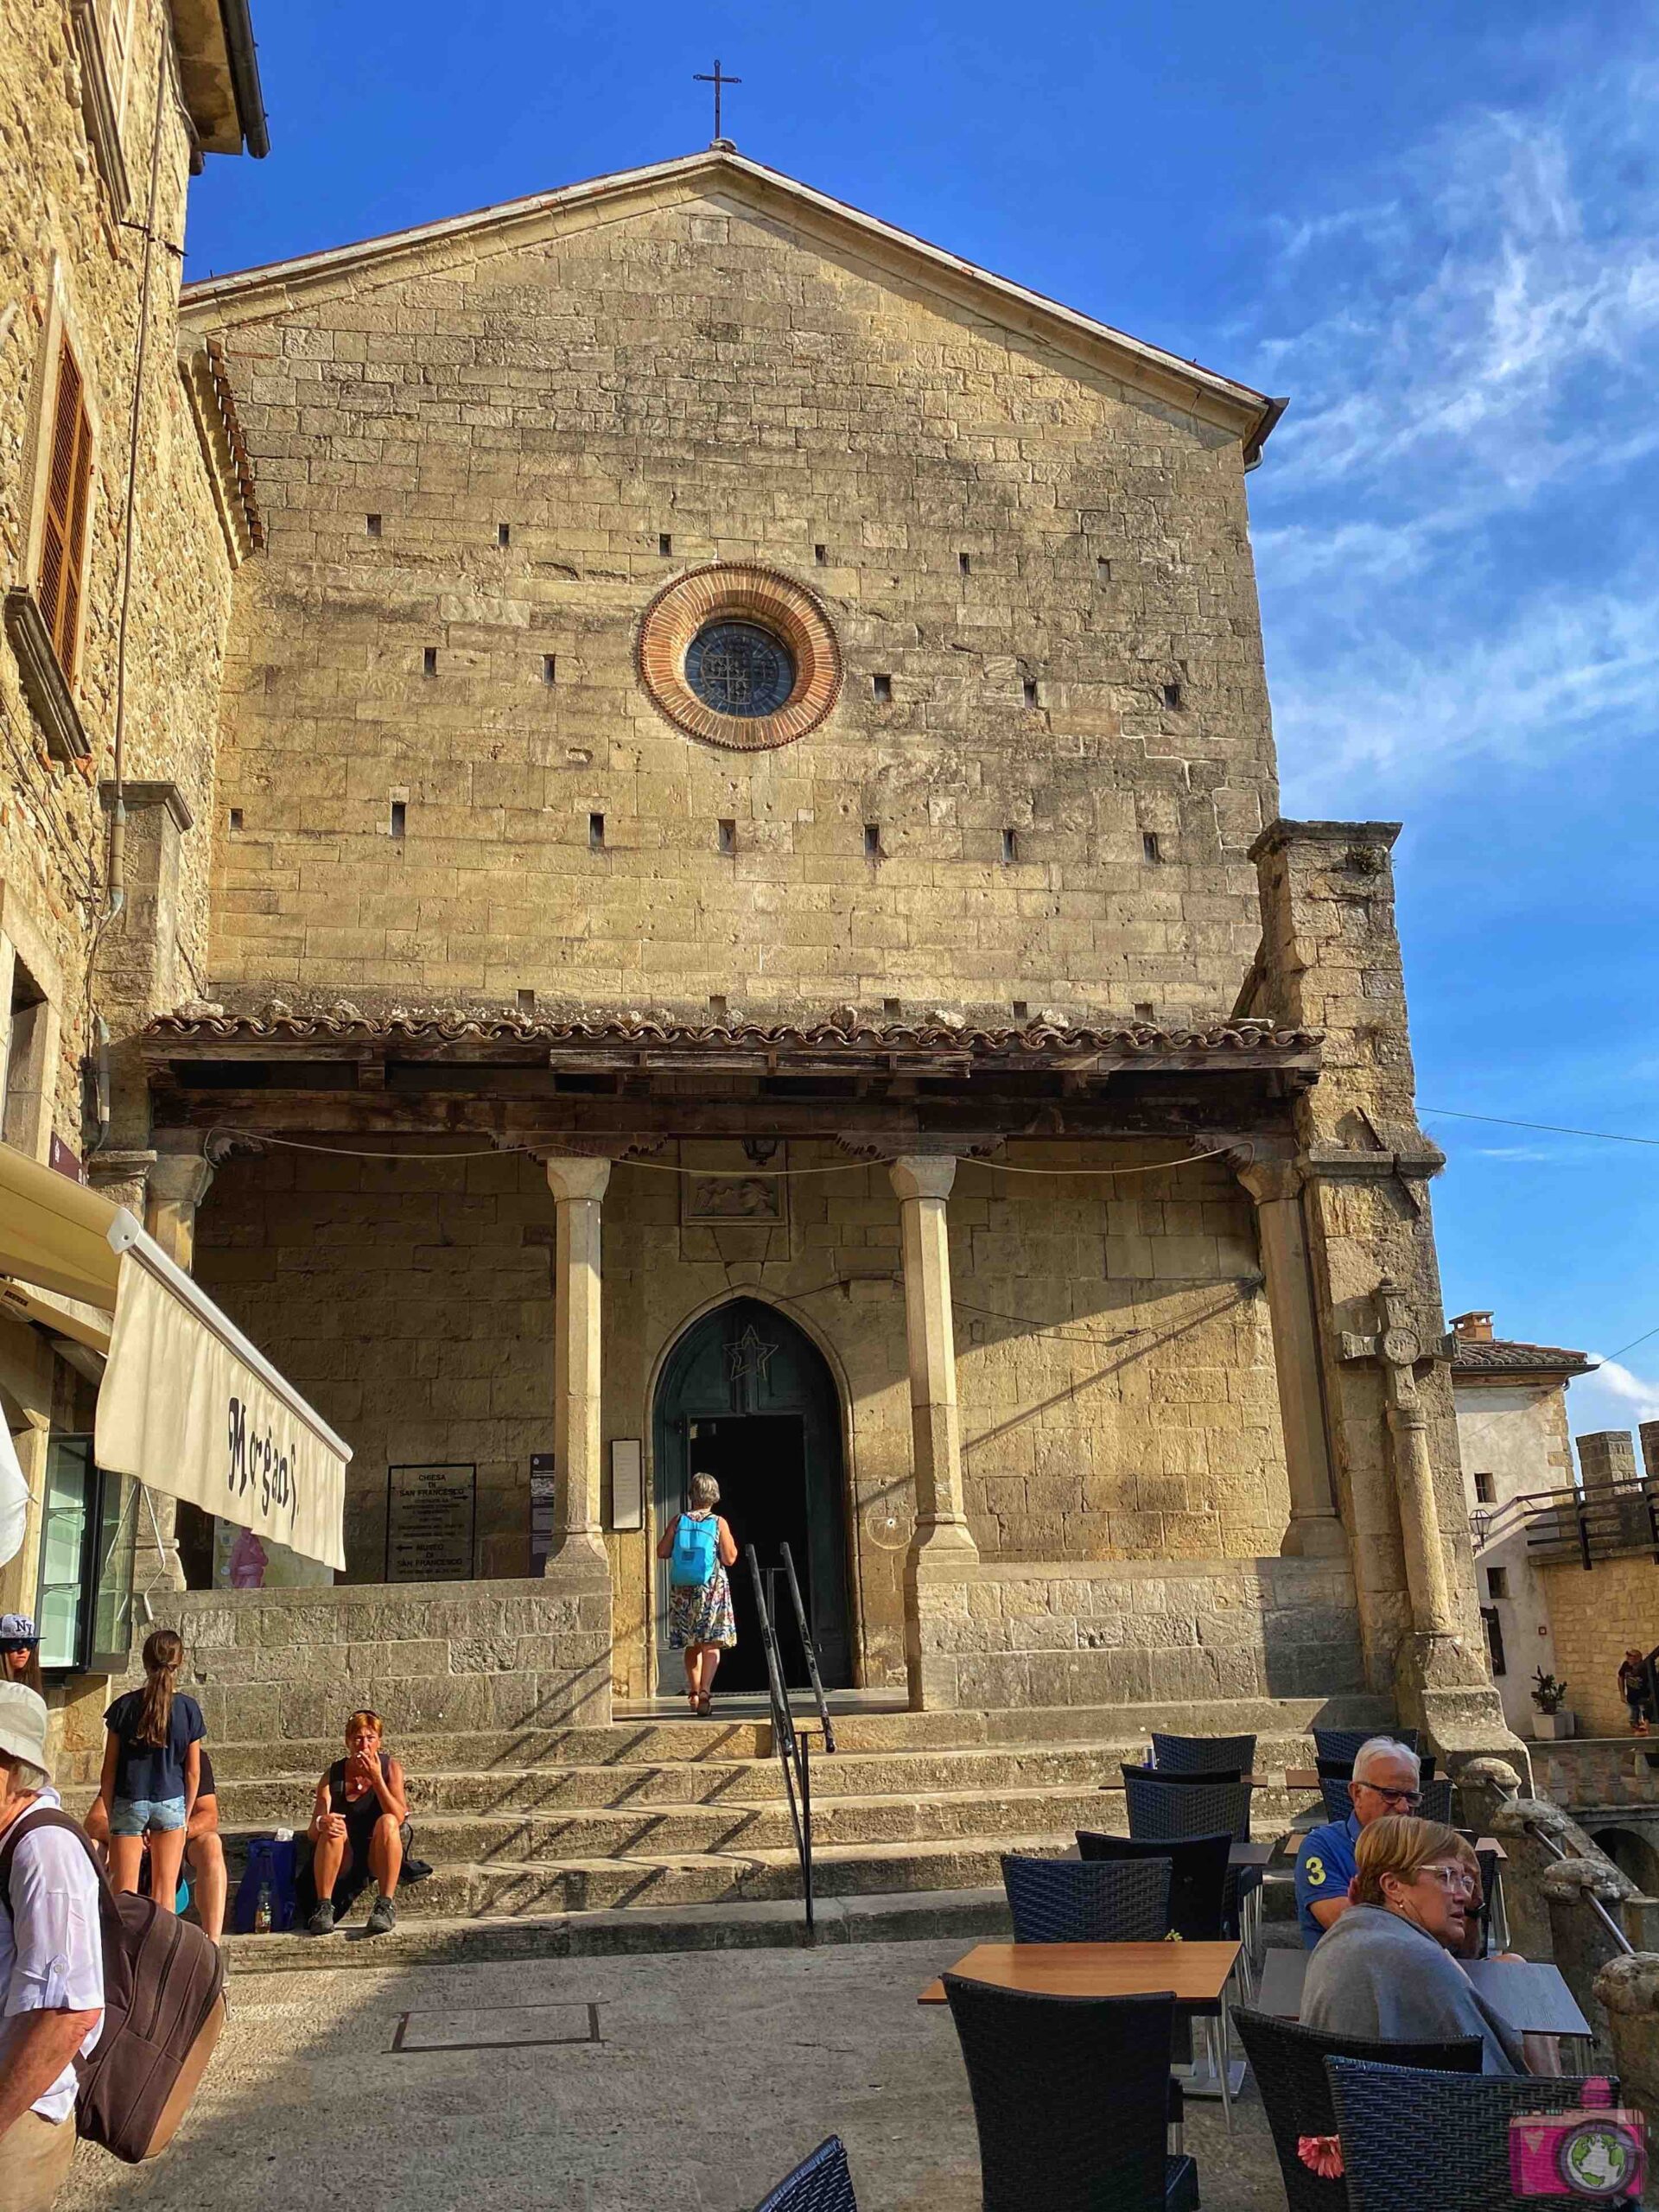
column 1171, row 694
column 596, row 833
column 718, row 1006
column 429, row 661
column 892, row 1005
column 549, row 668
column 872, row 841
column 1010, row 845
column 400, row 817
column 821, row 555
column 372, row 524
column 882, row 687
column 1150, row 849
column 1022, row 1010
column 504, row 533
column 1103, row 569
column 1143, row 1010
column 664, row 544
column 526, row 1001
column 965, row 564
column 236, row 817
column 1028, row 689
column 728, row 831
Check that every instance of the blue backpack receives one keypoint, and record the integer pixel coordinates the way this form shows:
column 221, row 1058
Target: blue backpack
column 692, row 1563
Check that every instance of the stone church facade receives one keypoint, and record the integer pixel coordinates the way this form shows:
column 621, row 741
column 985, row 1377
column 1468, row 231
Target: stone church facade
column 750, row 930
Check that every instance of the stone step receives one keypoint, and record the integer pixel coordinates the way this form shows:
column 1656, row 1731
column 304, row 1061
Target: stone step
column 285, row 1799
column 957, row 1917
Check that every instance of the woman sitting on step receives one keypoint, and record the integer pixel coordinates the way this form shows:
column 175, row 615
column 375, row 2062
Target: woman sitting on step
column 359, row 1829
column 699, row 1548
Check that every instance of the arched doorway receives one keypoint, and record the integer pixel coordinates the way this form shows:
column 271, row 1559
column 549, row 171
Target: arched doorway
column 747, row 1397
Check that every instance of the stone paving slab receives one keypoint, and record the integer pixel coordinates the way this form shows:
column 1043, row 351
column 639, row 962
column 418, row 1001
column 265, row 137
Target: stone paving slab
column 710, row 2078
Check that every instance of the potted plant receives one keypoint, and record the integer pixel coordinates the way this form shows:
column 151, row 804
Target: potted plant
column 1549, row 1696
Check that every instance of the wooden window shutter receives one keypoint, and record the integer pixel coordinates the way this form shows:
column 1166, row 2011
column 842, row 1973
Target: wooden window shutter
column 69, row 489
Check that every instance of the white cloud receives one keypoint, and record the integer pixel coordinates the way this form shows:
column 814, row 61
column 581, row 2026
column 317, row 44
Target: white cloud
column 1613, row 1397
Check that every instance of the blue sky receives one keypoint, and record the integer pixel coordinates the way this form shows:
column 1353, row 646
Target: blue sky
column 1436, row 228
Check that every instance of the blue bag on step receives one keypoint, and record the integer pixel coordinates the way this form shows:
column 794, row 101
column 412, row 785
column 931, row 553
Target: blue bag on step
column 691, row 1563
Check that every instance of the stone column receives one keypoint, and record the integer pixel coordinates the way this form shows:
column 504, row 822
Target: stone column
column 1627, row 1988
column 923, row 1182
column 1607, row 1458
column 578, row 1184
column 1580, row 1940
column 1315, row 1531
column 176, row 1185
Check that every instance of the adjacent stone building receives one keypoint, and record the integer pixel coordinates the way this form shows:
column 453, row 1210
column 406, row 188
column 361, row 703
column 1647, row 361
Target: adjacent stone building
column 126, row 509
column 749, row 930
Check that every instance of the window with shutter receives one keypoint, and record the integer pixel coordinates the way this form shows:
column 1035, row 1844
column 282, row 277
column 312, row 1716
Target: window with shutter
column 63, row 533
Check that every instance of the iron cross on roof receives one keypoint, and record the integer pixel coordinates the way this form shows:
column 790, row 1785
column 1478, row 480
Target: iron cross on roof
column 701, row 77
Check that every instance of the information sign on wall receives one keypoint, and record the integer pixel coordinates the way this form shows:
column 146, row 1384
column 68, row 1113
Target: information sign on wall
column 431, row 1512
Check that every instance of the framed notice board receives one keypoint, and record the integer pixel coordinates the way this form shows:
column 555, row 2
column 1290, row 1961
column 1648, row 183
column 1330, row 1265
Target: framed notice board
column 432, row 1516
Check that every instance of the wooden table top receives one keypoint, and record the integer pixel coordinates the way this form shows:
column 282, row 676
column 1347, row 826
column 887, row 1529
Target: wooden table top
column 1196, row 1972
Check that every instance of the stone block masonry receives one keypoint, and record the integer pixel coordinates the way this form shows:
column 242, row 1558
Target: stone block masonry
column 705, row 375
column 1594, row 1618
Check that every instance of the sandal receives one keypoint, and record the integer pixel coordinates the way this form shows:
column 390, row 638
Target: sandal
column 705, row 1708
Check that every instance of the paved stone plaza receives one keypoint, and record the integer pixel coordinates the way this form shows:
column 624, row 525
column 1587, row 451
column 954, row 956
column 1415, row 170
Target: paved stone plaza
column 713, row 2072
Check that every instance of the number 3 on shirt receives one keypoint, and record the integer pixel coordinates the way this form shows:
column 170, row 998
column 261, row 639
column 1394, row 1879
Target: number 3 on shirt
column 1314, row 1869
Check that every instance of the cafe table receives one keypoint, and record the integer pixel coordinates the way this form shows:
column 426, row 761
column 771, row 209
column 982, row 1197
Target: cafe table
column 1196, row 1974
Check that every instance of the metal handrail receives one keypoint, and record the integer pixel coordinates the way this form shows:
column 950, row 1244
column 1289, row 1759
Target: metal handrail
column 808, row 1646
column 1589, row 1898
column 1601, row 1521
column 793, row 1751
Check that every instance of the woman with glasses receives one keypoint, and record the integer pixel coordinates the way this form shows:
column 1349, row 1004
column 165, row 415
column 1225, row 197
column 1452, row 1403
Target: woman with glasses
column 1389, row 1968
column 20, row 1651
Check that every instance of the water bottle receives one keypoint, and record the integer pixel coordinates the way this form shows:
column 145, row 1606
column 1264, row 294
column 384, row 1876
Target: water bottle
column 261, row 1910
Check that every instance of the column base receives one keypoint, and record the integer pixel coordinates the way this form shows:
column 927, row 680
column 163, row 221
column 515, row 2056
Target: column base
column 579, row 1556
column 579, row 1574
column 1314, row 1536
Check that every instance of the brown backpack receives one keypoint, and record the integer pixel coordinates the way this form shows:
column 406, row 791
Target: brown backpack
column 163, row 2008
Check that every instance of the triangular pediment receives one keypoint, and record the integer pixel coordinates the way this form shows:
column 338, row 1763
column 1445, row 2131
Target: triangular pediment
column 732, row 180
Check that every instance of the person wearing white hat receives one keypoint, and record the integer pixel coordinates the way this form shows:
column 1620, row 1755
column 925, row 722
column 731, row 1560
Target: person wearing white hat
column 51, row 1967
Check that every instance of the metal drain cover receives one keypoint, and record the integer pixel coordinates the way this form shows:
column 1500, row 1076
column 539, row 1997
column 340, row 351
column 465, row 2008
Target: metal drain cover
column 497, row 2027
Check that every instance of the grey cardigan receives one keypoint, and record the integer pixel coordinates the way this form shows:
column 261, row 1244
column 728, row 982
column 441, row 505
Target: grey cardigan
column 1375, row 1974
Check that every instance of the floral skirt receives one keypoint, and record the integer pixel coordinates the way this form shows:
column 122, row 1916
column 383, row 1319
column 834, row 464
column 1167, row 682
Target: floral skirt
column 702, row 1613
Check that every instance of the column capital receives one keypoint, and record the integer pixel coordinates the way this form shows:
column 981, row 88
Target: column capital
column 576, row 1175
column 180, row 1178
column 1270, row 1182
column 923, row 1174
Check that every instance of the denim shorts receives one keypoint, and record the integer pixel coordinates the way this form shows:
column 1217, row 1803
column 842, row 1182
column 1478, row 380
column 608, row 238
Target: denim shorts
column 133, row 1815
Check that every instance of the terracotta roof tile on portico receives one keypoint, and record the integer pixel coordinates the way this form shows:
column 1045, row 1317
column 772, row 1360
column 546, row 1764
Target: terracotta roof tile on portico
column 1500, row 1355
column 849, row 1037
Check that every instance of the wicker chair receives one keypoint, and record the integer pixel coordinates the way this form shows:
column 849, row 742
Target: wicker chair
column 1170, row 1812
column 1410, row 2138
column 1067, row 1901
column 820, row 2183
column 1069, row 2101
column 1198, row 1879
column 1288, row 2063
column 1228, row 1755
column 1345, row 1743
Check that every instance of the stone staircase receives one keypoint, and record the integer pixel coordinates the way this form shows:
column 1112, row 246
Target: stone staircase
column 674, row 1832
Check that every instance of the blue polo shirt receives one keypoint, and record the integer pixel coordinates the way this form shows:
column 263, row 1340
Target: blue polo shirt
column 1325, row 1866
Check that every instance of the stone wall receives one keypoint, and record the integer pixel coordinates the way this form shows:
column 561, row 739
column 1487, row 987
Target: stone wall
column 1092, row 1634
column 1114, row 1365
column 1517, row 1432
column 269, row 1665
column 708, row 374
column 1594, row 1618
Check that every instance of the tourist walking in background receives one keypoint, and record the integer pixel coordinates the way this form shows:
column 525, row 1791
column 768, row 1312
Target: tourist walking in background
column 359, row 1828
column 1633, row 1689
column 20, row 1650
column 152, row 1771
column 699, row 1548
column 51, row 1965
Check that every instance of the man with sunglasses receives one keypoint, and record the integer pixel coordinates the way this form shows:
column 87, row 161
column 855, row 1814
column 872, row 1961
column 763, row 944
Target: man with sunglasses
column 1386, row 1779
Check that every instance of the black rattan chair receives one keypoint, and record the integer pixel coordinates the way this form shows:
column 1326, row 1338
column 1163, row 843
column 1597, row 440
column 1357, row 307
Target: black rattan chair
column 1220, row 1755
column 1170, row 1812
column 820, row 2183
column 1346, row 1744
column 1069, row 2101
column 1198, row 1879
column 1410, row 2138
column 1070, row 1901
column 1288, row 2063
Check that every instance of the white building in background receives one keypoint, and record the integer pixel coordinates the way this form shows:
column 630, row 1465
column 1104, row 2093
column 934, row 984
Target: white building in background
column 1515, row 1444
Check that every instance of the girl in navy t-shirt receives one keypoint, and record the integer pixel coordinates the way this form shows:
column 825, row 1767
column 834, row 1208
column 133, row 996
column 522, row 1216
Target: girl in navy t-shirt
column 152, row 1770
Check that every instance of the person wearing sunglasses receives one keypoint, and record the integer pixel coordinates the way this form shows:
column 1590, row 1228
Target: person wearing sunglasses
column 1386, row 1779
column 1389, row 1968
column 20, row 1651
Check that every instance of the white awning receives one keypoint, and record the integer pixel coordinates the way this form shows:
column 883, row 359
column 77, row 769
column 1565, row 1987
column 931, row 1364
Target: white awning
column 188, row 1404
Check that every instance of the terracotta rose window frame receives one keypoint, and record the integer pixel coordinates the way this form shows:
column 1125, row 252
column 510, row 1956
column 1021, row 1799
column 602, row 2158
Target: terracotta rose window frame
column 729, row 591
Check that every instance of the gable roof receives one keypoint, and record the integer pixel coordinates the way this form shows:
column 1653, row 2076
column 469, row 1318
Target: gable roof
column 255, row 294
column 1498, row 1357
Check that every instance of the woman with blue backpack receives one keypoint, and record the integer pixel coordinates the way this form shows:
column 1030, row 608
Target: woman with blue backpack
column 699, row 1548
